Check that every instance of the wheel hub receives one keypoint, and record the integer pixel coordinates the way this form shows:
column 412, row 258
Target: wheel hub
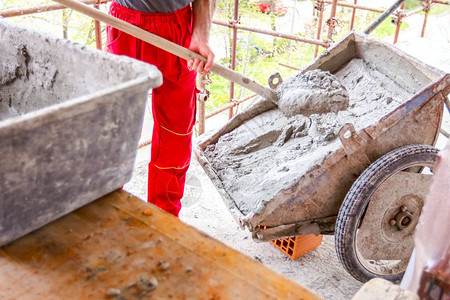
column 401, row 217
column 386, row 231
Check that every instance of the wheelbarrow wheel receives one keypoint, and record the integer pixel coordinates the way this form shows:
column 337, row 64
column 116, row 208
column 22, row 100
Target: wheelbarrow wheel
column 375, row 225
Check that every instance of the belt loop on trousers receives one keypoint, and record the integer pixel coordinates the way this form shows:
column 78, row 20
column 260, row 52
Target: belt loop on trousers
column 182, row 13
column 139, row 20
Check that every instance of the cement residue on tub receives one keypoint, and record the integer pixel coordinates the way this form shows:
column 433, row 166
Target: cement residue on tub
column 27, row 79
column 33, row 78
column 272, row 151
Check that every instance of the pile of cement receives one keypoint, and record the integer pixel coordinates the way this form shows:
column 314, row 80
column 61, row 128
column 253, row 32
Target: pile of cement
column 273, row 151
column 312, row 92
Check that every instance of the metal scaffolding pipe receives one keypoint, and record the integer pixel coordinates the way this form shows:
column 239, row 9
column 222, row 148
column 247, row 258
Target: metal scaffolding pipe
column 98, row 35
column 331, row 20
column 201, row 116
column 211, row 114
column 426, row 8
column 233, row 53
column 425, row 20
column 289, row 66
column 399, row 21
column 229, row 105
column 98, row 29
column 413, row 12
column 447, row 103
column 355, row 6
column 144, row 144
column 286, row 36
column 383, row 16
column 353, row 15
column 274, row 33
column 15, row 12
column 201, row 110
column 320, row 7
column 235, row 26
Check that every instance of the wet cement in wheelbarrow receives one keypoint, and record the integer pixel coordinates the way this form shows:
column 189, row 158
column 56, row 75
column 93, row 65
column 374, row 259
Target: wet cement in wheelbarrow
column 272, row 151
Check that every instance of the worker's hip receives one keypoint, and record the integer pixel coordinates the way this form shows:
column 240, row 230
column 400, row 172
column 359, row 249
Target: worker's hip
column 147, row 21
column 175, row 27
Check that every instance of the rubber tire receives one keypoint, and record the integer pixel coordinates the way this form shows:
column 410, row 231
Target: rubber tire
column 358, row 197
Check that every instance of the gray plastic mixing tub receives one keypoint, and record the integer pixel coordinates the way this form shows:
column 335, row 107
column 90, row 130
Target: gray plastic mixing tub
column 70, row 121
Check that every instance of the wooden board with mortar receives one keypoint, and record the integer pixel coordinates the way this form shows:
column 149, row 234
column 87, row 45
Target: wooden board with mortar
column 119, row 246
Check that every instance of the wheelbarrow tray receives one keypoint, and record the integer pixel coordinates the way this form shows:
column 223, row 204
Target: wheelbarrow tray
column 70, row 121
column 312, row 203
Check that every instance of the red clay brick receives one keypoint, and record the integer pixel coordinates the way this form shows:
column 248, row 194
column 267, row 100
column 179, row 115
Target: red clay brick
column 298, row 245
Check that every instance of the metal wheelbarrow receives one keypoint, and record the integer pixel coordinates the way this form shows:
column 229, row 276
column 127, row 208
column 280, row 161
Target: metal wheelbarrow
column 368, row 191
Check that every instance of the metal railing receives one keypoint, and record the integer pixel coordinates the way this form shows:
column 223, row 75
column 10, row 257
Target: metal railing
column 319, row 5
column 7, row 13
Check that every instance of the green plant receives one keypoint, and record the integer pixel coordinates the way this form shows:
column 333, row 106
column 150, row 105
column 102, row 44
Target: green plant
column 412, row 4
column 437, row 9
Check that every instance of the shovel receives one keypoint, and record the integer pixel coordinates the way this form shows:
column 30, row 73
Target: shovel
column 269, row 97
column 169, row 47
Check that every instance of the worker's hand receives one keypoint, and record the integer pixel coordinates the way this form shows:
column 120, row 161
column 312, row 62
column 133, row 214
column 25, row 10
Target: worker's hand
column 203, row 11
column 201, row 46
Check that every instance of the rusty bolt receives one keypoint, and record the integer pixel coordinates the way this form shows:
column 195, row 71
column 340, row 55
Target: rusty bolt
column 403, row 219
column 319, row 5
column 113, row 292
column 406, row 221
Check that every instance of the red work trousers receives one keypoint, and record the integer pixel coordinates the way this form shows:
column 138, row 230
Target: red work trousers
column 173, row 103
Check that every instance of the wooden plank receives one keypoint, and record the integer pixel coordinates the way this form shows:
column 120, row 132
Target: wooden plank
column 111, row 244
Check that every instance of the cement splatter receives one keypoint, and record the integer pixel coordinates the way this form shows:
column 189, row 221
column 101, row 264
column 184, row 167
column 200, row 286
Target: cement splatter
column 112, row 256
column 164, row 266
column 272, row 151
column 112, row 292
column 146, row 285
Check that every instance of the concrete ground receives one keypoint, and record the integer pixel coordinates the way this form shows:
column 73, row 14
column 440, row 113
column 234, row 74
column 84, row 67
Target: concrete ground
column 318, row 270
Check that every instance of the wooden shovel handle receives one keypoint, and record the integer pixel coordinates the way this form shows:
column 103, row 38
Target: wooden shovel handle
column 168, row 46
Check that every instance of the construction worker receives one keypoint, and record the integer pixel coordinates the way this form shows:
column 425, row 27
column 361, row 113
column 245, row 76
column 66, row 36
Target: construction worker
column 187, row 23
